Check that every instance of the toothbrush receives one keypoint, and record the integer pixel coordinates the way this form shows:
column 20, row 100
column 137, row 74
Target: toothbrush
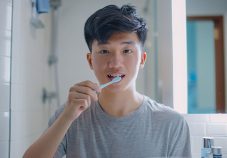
column 116, row 79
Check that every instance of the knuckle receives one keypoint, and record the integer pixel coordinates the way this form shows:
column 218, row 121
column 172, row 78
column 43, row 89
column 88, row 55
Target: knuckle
column 89, row 91
column 73, row 88
column 71, row 96
column 84, row 102
column 89, row 83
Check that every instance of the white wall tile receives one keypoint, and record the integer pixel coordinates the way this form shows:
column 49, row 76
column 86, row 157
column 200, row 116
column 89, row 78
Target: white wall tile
column 216, row 129
column 196, row 118
column 19, row 147
column 4, row 126
column 18, row 70
column 5, row 14
column 26, row 97
column 27, row 123
column 5, row 42
column 5, row 69
column 4, row 149
column 197, row 129
column 218, row 118
column 4, row 96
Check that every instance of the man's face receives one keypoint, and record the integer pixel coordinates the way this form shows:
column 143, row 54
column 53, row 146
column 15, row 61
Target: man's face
column 121, row 56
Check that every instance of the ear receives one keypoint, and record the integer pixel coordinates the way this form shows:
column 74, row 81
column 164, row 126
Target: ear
column 89, row 60
column 143, row 59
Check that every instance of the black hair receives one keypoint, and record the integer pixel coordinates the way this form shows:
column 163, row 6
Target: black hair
column 112, row 19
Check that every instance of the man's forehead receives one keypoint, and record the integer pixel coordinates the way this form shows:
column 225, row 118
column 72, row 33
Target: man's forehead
column 120, row 37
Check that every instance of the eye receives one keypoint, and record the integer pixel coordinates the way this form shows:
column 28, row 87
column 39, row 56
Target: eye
column 127, row 51
column 103, row 51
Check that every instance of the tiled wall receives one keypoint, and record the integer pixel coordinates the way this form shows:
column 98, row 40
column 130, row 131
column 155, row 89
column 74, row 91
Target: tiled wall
column 30, row 74
column 212, row 125
column 5, row 47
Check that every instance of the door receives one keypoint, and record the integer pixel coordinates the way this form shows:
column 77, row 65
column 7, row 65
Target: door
column 206, row 93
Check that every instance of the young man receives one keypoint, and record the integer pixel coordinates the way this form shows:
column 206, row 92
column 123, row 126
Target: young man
column 115, row 121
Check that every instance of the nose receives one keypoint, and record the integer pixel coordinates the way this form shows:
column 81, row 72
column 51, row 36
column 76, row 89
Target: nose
column 115, row 60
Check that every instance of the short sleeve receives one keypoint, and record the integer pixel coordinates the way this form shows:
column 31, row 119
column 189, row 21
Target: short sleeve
column 180, row 146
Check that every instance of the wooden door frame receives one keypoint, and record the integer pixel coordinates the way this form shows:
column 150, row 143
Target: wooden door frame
column 219, row 58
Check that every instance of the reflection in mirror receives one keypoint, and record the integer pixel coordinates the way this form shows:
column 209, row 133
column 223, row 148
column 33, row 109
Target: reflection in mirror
column 205, row 77
column 205, row 54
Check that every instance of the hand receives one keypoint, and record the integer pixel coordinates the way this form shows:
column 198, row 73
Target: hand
column 79, row 98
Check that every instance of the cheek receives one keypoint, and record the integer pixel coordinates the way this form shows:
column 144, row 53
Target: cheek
column 134, row 62
column 98, row 64
column 134, row 65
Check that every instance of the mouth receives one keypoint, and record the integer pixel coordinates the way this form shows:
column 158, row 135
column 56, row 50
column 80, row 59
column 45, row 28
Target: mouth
column 112, row 76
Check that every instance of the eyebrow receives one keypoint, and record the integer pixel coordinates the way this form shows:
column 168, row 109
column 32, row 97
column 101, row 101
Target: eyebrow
column 124, row 42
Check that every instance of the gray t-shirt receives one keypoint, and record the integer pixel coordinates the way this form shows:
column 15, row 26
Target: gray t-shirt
column 152, row 131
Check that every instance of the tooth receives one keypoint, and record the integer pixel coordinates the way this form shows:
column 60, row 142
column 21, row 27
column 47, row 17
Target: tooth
column 114, row 75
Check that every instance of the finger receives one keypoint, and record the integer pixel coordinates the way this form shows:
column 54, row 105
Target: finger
column 82, row 103
column 91, row 85
column 76, row 95
column 78, row 86
column 92, row 96
column 85, row 90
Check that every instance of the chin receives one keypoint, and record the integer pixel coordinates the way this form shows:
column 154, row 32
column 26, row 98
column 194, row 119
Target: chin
column 114, row 89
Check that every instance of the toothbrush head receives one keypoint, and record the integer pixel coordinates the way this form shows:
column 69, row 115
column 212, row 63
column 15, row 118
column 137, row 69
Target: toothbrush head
column 116, row 79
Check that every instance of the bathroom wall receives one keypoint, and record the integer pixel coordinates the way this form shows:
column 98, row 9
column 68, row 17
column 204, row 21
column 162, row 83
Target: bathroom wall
column 5, row 54
column 72, row 58
column 210, row 125
column 30, row 73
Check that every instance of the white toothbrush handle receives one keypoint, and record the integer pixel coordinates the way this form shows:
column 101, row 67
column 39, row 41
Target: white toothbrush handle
column 106, row 84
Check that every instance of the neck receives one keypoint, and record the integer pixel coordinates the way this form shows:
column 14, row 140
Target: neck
column 120, row 104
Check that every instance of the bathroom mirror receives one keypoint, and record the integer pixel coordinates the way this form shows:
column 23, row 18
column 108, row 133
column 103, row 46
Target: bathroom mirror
column 206, row 56
column 70, row 21
column 207, row 97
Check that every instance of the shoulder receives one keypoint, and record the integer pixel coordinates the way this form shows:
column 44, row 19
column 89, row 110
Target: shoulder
column 160, row 112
